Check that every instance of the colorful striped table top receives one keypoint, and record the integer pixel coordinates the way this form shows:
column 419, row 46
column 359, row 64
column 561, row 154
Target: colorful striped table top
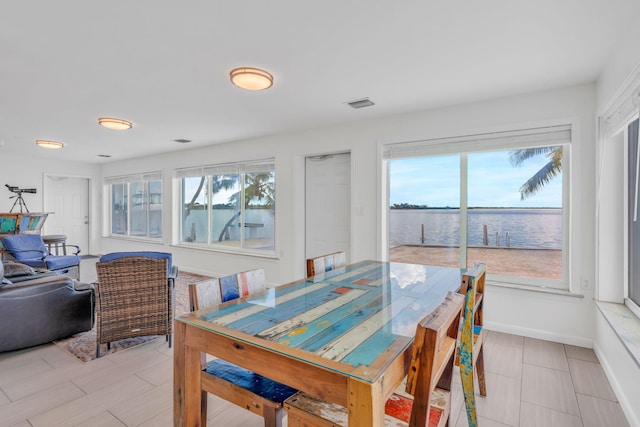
column 355, row 320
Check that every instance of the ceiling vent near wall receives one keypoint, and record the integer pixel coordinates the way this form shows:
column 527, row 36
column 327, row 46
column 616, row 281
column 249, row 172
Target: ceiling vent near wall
column 361, row 103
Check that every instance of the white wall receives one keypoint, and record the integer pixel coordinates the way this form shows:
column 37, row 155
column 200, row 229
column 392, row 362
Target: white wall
column 619, row 66
column 29, row 173
column 566, row 319
column 621, row 369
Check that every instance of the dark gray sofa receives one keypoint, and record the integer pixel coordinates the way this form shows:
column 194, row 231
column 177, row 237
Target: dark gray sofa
column 36, row 308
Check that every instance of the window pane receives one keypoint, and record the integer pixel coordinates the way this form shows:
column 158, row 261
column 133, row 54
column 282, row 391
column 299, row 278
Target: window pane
column 119, row 209
column 515, row 212
column 155, row 209
column 194, row 212
column 424, row 215
column 138, row 209
column 225, row 208
column 232, row 208
column 259, row 213
column 634, row 216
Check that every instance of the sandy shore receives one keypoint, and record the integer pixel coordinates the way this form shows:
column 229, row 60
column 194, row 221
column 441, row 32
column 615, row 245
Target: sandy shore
column 542, row 263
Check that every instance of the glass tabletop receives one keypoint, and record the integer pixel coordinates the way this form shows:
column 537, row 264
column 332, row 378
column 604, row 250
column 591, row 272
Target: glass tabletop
column 355, row 319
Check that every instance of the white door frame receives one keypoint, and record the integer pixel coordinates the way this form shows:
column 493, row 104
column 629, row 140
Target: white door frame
column 46, row 187
column 351, row 178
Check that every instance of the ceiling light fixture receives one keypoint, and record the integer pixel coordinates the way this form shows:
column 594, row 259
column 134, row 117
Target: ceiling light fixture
column 251, row 78
column 115, row 124
column 49, row 144
column 361, row 103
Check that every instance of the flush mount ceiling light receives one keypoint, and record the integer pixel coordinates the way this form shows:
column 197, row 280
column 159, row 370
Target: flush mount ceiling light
column 115, row 124
column 251, row 78
column 49, row 144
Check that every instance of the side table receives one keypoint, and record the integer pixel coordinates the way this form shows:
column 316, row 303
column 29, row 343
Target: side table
column 56, row 241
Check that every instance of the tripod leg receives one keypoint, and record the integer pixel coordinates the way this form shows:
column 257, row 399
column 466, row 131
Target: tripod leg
column 14, row 205
column 23, row 204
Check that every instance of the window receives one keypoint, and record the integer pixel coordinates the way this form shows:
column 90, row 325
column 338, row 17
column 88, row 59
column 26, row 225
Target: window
column 632, row 217
column 498, row 198
column 136, row 205
column 229, row 207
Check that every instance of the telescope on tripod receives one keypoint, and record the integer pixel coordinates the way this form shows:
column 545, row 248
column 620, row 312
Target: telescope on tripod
column 19, row 202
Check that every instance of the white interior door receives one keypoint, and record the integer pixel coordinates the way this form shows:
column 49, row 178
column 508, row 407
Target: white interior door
column 68, row 200
column 328, row 204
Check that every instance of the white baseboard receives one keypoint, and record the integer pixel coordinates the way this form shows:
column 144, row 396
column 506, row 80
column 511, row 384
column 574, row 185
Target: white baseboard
column 628, row 407
column 539, row 334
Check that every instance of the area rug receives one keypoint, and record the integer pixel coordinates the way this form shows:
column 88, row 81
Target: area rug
column 83, row 345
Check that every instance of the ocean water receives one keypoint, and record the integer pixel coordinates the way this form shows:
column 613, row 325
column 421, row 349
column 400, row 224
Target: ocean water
column 518, row 228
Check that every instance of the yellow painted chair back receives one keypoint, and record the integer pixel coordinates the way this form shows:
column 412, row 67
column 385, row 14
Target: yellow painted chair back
column 470, row 349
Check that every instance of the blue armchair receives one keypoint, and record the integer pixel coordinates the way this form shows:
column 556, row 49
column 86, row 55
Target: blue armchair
column 30, row 249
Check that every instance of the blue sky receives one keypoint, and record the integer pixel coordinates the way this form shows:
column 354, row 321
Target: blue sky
column 493, row 182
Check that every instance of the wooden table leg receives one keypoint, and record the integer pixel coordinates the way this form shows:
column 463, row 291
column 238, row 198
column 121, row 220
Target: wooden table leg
column 186, row 381
column 366, row 404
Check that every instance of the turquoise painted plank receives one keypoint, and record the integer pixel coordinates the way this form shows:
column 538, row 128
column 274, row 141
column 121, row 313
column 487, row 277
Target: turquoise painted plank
column 333, row 332
column 298, row 337
column 367, row 352
column 255, row 324
column 357, row 270
column 402, row 324
column 208, row 317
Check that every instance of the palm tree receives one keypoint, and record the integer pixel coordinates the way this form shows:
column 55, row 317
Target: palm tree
column 220, row 182
column 259, row 188
column 258, row 192
column 546, row 173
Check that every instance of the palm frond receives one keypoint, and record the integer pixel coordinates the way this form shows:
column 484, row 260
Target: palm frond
column 542, row 177
column 517, row 157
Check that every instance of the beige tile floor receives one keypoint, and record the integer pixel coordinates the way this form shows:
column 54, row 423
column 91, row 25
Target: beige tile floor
column 531, row 383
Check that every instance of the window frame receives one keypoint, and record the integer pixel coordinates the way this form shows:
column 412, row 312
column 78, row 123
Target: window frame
column 490, row 142
column 126, row 180
column 242, row 169
column 628, row 201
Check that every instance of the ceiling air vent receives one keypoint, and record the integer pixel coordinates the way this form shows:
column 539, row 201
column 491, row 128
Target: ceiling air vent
column 182, row 140
column 361, row 103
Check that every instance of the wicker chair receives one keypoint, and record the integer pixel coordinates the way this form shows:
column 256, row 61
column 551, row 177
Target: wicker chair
column 134, row 298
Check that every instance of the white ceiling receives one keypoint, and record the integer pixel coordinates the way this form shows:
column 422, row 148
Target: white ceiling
column 164, row 64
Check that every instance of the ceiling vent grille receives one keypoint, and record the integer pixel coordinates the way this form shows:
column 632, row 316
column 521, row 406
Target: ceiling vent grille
column 361, row 103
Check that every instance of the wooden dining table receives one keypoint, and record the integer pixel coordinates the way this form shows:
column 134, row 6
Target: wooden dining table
column 344, row 336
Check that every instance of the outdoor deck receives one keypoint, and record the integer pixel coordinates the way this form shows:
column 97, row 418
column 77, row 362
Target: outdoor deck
column 539, row 263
